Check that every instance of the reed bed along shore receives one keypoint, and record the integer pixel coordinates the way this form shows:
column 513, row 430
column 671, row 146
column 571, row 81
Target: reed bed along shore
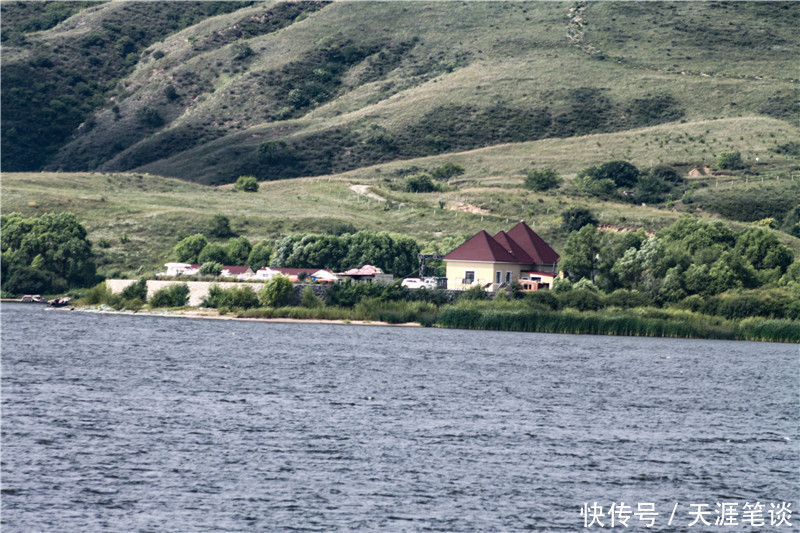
column 637, row 322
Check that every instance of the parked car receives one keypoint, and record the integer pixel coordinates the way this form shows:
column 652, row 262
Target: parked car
column 417, row 283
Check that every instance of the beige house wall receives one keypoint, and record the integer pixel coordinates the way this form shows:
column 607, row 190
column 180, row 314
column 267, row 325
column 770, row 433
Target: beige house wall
column 484, row 273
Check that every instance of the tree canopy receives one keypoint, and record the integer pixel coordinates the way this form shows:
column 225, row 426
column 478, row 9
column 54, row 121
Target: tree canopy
column 45, row 254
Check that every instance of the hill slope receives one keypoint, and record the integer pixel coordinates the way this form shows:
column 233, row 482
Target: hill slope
column 280, row 90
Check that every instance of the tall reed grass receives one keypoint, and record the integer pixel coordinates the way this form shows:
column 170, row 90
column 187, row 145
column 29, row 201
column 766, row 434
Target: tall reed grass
column 645, row 322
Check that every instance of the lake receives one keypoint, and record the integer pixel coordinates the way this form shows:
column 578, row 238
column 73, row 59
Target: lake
column 142, row 423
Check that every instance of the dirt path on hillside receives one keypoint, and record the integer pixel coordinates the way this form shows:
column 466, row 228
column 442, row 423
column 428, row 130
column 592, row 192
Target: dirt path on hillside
column 364, row 191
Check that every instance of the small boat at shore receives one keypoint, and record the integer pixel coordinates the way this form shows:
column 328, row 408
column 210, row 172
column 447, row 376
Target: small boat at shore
column 34, row 299
column 60, row 302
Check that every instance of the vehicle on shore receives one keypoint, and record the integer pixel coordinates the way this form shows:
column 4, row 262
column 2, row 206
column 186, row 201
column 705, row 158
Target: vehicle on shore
column 419, row 283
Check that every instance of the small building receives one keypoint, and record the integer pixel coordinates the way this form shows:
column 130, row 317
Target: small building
column 495, row 261
column 295, row 274
column 238, row 272
column 180, row 269
column 366, row 274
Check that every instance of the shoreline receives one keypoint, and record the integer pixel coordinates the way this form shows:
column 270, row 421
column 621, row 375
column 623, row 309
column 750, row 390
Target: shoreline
column 209, row 314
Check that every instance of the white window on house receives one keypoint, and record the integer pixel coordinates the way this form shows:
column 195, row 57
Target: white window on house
column 508, row 277
column 498, row 277
column 469, row 277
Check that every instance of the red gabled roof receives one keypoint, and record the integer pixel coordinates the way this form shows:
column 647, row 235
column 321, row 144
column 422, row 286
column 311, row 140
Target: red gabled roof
column 481, row 247
column 236, row 270
column 296, row 271
column 511, row 245
column 535, row 247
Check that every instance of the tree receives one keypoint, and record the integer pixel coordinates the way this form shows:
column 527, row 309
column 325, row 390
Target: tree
column 622, row 173
column 420, row 183
column 447, row 171
column 213, row 252
column 580, row 253
column 188, row 250
column 666, row 173
column 238, row 251
column 220, row 227
column 246, row 184
column 276, row 293
column 240, row 50
column 212, row 268
column 587, row 182
column 730, row 160
column 260, row 255
column 575, row 218
column 274, row 152
column 50, row 253
column 309, row 299
column 761, row 248
column 651, row 189
column 542, row 179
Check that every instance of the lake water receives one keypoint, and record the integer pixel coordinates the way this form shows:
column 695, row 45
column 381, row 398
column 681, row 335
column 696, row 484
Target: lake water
column 137, row 423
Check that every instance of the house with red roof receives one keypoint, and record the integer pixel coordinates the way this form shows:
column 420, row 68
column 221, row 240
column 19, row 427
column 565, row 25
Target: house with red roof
column 494, row 261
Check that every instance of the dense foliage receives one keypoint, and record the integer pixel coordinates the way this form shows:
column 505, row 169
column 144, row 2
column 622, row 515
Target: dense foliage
column 394, row 254
column 690, row 258
column 45, row 254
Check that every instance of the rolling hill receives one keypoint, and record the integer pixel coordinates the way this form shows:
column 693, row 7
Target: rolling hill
column 207, row 92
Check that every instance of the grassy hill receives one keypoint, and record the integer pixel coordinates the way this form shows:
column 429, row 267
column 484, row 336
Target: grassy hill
column 134, row 219
column 207, row 92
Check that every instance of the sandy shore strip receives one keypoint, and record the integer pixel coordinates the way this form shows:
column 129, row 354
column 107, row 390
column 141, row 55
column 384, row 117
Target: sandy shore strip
column 212, row 314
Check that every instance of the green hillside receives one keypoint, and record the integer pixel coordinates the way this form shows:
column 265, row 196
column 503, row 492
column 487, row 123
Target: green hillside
column 135, row 219
column 207, row 92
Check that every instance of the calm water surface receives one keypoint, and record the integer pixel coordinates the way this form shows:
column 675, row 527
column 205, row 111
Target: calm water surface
column 135, row 423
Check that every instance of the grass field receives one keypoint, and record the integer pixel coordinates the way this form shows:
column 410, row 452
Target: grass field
column 142, row 216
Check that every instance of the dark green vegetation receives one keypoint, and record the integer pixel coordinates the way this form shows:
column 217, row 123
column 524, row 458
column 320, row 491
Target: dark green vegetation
column 394, row 254
column 209, row 91
column 45, row 255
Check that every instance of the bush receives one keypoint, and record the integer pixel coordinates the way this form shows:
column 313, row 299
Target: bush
column 241, row 51
column 276, row 293
column 730, row 161
column 147, row 116
column 212, row 268
column 173, row 296
column 622, row 173
column 246, row 184
column 575, row 218
column 310, row 300
column 476, row 292
column 447, row 171
column 233, row 298
column 99, row 294
column 420, row 183
column 542, row 179
column 581, row 299
column 220, row 227
column 136, row 290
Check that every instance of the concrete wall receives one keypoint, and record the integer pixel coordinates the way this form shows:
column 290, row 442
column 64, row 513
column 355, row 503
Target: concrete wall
column 199, row 289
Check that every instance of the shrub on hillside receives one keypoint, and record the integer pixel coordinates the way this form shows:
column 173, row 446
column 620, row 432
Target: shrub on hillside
column 542, row 179
column 730, row 161
column 420, row 183
column 246, row 184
